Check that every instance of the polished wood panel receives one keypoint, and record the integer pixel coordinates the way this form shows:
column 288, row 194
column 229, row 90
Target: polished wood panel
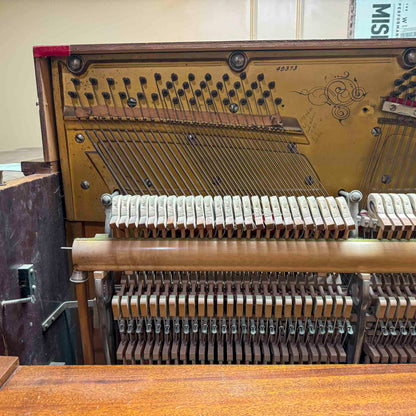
column 241, row 45
column 209, row 390
column 7, row 366
column 349, row 256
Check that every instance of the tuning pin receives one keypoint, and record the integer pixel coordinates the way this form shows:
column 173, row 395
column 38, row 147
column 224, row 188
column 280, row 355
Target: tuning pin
column 208, row 77
column 75, row 81
column 143, row 80
column 266, row 93
column 203, row 84
column 249, row 93
column 173, row 77
column 72, row 94
column 226, row 101
column 397, row 82
column 209, row 101
column 260, row 77
column 402, row 88
column 278, row 101
column 93, row 81
column 271, row 85
column 110, row 81
column 237, row 85
column 214, row 93
column 243, row 101
column 122, row 95
column 191, row 77
column 254, row 85
column 219, row 85
column 140, row 96
column 406, row 75
column 243, row 76
column 231, row 93
column 126, row 81
column 225, row 77
column 181, row 92
column 106, row 95
column 192, row 101
column 198, row 93
column 89, row 96
column 175, row 100
column 154, row 96
column 158, row 77
column 394, row 94
column 169, row 85
column 165, row 92
column 260, row 101
column 185, row 85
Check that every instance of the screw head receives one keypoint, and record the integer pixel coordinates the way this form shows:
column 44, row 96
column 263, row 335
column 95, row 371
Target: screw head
column 106, row 199
column 75, row 64
column 386, row 179
column 79, row 138
column 376, row 131
column 233, row 108
column 148, row 182
column 409, row 57
column 85, row 184
column 392, row 107
column 309, row 180
column 238, row 61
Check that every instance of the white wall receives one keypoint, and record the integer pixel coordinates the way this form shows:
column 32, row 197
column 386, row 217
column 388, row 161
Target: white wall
column 25, row 23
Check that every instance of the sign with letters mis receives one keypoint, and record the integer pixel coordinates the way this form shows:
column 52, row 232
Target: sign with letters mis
column 383, row 19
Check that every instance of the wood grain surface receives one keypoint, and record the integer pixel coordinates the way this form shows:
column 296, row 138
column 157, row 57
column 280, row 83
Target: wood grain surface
column 7, row 366
column 241, row 45
column 211, row 390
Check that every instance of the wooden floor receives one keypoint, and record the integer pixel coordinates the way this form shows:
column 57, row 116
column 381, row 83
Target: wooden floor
column 210, row 390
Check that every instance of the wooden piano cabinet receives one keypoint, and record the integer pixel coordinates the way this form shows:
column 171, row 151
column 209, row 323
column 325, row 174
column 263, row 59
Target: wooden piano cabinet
column 211, row 390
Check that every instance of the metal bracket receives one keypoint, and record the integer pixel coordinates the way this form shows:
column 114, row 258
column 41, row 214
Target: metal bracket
column 27, row 285
column 69, row 304
column 9, row 167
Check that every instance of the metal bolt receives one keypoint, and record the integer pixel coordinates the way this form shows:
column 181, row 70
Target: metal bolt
column 75, row 64
column 309, row 180
column 79, row 138
column 376, row 131
column 85, row 184
column 106, row 199
column 386, row 179
column 393, row 107
column 148, row 182
column 191, row 137
column 233, row 108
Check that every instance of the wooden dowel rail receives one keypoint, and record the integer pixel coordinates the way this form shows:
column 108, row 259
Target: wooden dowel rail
column 351, row 256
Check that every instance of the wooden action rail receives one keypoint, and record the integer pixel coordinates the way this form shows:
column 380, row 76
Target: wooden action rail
column 352, row 256
column 233, row 390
